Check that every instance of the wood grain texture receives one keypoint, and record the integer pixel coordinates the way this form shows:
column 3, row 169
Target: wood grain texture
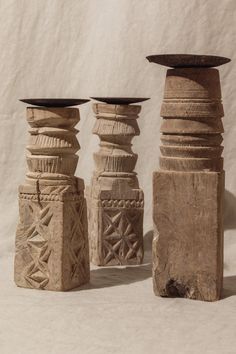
column 188, row 234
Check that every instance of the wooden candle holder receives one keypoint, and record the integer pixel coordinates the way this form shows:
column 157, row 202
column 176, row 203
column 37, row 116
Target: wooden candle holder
column 115, row 200
column 188, row 189
column 51, row 240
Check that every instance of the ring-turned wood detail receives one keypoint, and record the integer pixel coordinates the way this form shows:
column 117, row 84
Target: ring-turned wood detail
column 192, row 127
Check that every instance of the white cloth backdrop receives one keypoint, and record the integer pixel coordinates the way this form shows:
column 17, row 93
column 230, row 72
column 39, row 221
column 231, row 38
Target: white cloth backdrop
column 82, row 48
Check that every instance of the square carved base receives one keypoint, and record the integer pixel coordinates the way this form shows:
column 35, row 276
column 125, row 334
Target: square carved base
column 188, row 234
column 51, row 240
column 116, row 232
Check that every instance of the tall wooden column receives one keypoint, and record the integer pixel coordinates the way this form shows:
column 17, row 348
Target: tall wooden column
column 188, row 189
column 51, row 240
column 116, row 201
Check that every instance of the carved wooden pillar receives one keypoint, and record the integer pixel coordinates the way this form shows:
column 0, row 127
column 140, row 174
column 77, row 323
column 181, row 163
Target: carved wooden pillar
column 116, row 201
column 51, row 239
column 189, row 187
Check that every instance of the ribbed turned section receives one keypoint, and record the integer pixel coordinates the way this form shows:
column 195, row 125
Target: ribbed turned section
column 191, row 128
column 52, row 143
column 116, row 125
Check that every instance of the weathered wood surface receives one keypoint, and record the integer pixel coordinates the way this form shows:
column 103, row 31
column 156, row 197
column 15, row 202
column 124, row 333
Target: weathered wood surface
column 52, row 238
column 188, row 189
column 115, row 199
column 188, row 242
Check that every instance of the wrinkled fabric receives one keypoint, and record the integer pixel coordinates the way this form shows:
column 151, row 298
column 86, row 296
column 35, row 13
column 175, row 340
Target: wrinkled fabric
column 82, row 48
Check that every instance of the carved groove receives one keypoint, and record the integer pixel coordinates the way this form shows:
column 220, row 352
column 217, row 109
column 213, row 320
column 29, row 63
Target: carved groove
column 115, row 156
column 53, row 141
column 50, row 197
column 191, row 128
column 52, row 164
column 117, row 203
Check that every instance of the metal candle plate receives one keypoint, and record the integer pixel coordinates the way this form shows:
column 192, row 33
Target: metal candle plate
column 187, row 60
column 120, row 100
column 54, row 102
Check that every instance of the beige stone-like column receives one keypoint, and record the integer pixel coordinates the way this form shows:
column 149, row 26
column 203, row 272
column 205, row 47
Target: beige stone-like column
column 115, row 199
column 51, row 240
column 188, row 189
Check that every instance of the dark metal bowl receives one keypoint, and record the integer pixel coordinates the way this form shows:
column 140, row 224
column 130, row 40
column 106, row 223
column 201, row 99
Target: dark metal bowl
column 54, row 102
column 188, row 60
column 120, row 100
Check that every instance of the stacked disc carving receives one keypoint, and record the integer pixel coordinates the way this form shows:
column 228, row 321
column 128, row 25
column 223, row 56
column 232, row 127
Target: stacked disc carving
column 53, row 143
column 191, row 128
column 116, row 126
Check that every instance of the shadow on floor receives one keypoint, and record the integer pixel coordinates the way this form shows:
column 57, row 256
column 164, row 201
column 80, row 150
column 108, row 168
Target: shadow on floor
column 229, row 287
column 104, row 277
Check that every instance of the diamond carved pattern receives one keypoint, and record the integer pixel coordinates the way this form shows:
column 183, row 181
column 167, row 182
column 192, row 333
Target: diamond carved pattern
column 121, row 239
column 77, row 242
column 37, row 242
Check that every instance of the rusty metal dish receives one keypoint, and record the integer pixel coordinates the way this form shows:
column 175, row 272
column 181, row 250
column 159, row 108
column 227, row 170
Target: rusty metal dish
column 120, row 100
column 188, row 60
column 54, row 102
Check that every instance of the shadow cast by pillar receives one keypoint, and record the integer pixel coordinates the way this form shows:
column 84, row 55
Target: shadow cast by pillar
column 229, row 211
column 229, row 287
column 147, row 239
column 105, row 277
